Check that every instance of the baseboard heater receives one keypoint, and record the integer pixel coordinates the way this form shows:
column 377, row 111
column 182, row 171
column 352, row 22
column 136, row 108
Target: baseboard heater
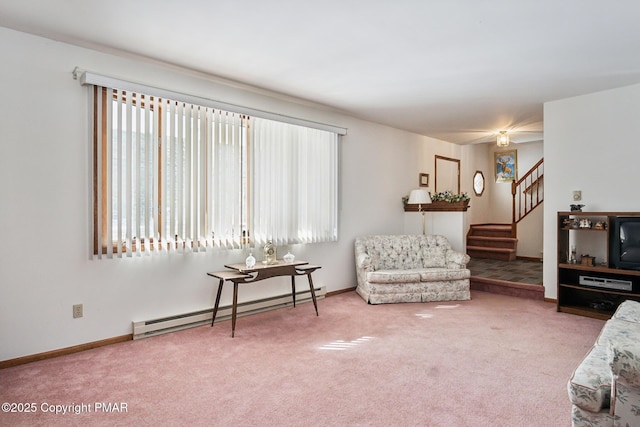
column 149, row 328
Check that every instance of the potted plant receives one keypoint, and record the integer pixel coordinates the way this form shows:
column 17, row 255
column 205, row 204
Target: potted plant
column 449, row 197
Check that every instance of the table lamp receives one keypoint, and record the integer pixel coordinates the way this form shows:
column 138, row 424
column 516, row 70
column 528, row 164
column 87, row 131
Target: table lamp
column 420, row 197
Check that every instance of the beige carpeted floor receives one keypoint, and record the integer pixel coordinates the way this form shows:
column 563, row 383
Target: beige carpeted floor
column 491, row 361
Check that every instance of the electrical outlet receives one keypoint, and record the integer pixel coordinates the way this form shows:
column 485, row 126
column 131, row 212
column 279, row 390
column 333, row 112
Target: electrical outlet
column 77, row 311
column 577, row 195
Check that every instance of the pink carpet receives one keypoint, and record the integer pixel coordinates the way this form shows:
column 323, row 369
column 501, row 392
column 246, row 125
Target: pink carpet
column 492, row 361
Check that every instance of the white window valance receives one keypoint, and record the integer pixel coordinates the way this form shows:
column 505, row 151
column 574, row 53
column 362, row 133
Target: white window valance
column 95, row 79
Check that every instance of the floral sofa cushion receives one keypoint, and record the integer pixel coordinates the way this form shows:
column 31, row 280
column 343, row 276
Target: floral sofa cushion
column 629, row 311
column 434, row 257
column 618, row 331
column 393, row 276
column 437, row 274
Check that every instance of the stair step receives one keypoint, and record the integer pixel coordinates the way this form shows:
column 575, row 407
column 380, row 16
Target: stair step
column 490, row 233
column 505, row 254
column 491, row 230
column 492, row 242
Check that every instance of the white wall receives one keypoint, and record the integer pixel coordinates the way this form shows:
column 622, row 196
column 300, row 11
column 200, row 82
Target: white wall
column 45, row 209
column 472, row 158
column 591, row 144
column 530, row 237
column 479, row 158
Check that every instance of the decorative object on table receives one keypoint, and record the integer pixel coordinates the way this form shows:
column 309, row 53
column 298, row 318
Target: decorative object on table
column 250, row 261
column 269, row 253
column 576, row 208
column 588, row 260
column 289, row 258
column 506, row 166
column 424, row 180
column 420, row 197
column 585, row 223
column 572, row 257
column 600, row 225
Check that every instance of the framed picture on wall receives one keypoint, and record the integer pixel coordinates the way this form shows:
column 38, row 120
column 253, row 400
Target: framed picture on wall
column 424, row 180
column 506, row 165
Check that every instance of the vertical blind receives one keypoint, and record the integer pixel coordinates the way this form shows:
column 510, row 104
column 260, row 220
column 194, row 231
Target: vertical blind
column 295, row 183
column 175, row 176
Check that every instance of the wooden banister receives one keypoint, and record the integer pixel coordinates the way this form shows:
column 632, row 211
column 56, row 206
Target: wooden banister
column 527, row 194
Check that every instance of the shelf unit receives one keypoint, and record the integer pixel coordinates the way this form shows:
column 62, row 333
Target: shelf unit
column 592, row 301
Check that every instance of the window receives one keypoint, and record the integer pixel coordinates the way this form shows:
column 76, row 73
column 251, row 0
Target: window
column 295, row 183
column 173, row 176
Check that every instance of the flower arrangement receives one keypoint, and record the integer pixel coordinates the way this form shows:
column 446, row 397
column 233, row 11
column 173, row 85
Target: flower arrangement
column 444, row 196
column 441, row 201
column 448, row 196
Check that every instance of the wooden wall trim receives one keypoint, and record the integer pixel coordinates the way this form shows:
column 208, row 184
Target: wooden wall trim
column 339, row 291
column 63, row 351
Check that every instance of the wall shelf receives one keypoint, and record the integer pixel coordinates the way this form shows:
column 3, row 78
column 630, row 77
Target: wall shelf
column 437, row 207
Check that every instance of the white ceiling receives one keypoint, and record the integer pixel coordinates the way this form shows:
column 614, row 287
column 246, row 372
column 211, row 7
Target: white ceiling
column 456, row 70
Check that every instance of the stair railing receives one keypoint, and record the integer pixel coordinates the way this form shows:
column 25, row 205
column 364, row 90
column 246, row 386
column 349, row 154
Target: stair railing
column 527, row 194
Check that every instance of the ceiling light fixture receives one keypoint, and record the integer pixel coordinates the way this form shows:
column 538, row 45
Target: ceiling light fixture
column 503, row 139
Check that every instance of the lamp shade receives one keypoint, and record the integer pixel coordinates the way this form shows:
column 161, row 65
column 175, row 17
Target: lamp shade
column 419, row 197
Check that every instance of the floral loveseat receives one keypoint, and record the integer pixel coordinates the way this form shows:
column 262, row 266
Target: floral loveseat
column 605, row 388
column 410, row 268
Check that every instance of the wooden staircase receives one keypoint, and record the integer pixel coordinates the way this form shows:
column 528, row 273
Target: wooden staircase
column 499, row 241
column 492, row 241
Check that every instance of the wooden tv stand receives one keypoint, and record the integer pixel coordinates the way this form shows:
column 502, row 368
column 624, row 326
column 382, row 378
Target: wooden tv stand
column 591, row 290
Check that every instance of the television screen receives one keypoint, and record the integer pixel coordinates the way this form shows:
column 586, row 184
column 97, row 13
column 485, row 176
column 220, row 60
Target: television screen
column 630, row 241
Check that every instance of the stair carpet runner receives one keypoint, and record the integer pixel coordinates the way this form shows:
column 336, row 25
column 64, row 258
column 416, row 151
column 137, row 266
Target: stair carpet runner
column 491, row 241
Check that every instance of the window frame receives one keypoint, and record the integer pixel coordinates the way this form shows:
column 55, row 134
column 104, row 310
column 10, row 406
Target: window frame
column 103, row 244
